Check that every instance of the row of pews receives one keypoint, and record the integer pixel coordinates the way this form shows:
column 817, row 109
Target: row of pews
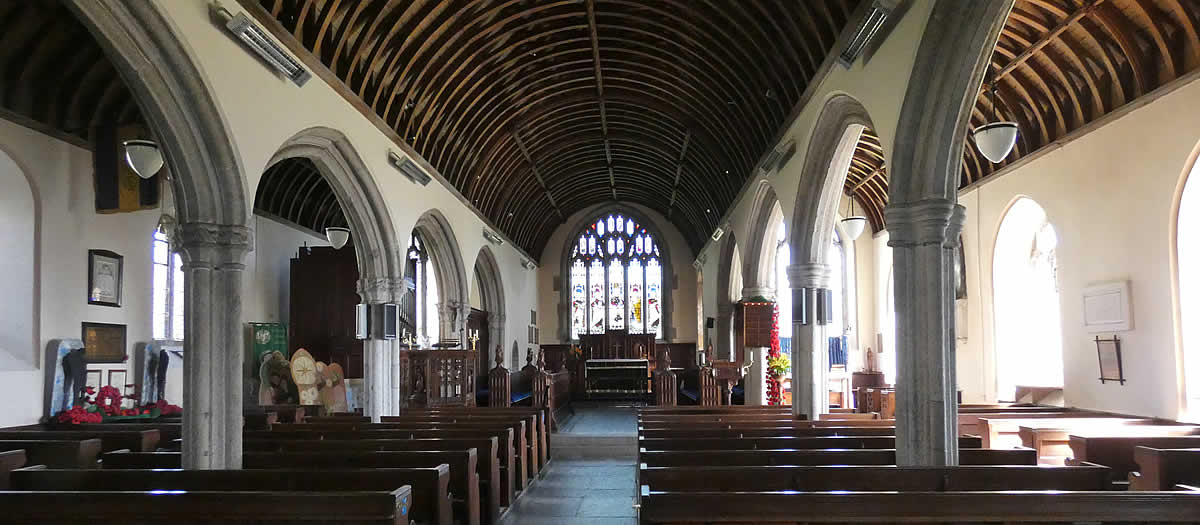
column 454, row 465
column 761, row 465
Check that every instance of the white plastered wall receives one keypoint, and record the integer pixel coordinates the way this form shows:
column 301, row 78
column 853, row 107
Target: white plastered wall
column 261, row 112
column 1109, row 195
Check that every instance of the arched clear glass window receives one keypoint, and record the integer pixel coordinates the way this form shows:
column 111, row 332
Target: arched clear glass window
column 783, row 296
column 422, row 296
column 167, row 295
column 1187, row 246
column 1026, row 303
column 616, row 277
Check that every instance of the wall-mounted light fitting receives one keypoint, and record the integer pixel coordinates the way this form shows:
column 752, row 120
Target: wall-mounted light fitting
column 255, row 39
column 143, row 157
column 716, row 236
column 528, row 264
column 492, row 237
column 337, row 236
column 408, row 168
column 866, row 29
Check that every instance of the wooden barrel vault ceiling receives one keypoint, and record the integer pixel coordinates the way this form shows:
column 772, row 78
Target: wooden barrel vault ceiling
column 534, row 109
column 1060, row 65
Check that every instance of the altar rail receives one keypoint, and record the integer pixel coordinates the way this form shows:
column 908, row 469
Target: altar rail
column 437, row 378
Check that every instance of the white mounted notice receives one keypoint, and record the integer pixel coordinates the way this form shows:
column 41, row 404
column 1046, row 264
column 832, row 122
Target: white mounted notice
column 1107, row 307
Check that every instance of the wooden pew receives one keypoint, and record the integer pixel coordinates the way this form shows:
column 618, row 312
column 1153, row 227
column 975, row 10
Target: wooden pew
column 496, row 490
column 657, row 507
column 1163, row 469
column 167, row 430
column 464, row 477
column 135, row 440
column 780, row 443
column 1051, row 438
column 740, row 432
column 545, row 422
column 430, row 486
column 533, row 428
column 1116, row 452
column 852, row 415
column 1003, row 430
column 208, row 507
column 677, row 458
column 872, row 478
column 521, row 425
column 10, row 460
column 969, row 422
column 60, row 453
column 510, row 444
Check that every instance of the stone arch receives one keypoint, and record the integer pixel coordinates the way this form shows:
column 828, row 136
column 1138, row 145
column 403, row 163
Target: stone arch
column 669, row 276
column 488, row 275
column 727, row 296
column 212, row 207
column 758, row 260
column 924, row 220
column 814, row 218
column 376, row 242
column 449, row 271
column 20, row 227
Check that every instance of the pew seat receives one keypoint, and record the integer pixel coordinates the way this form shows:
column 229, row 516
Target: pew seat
column 10, row 460
column 59, row 453
column 1163, row 469
column 676, row 458
column 145, row 440
column 1117, row 452
column 205, row 507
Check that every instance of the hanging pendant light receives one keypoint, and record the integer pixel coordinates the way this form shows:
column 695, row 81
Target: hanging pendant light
column 143, row 157
column 337, row 236
column 854, row 225
column 995, row 140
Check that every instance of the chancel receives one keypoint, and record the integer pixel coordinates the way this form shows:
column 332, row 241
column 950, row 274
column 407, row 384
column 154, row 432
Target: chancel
column 600, row 261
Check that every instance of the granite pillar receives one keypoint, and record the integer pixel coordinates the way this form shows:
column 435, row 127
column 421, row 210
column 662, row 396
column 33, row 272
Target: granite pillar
column 810, row 366
column 213, row 257
column 924, row 237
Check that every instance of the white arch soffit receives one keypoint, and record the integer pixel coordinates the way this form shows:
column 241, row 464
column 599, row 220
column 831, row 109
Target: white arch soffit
column 22, row 354
column 145, row 48
column 491, row 292
column 756, row 262
column 725, row 268
column 376, row 242
column 442, row 246
column 826, row 163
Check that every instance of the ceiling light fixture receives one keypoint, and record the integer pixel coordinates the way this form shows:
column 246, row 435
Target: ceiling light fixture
column 995, row 140
column 143, row 157
column 337, row 236
column 854, row 225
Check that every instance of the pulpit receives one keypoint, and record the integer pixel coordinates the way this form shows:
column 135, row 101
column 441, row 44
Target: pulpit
column 437, row 378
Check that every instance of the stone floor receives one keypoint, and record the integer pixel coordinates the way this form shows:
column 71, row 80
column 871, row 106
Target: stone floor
column 590, row 481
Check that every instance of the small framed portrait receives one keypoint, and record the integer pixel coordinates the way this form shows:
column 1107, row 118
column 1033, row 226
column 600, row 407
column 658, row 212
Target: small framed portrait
column 104, row 278
column 104, row 343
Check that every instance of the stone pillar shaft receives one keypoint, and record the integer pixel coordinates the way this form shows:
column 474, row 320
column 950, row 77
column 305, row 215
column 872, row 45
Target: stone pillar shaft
column 923, row 238
column 213, row 344
column 724, row 332
column 809, row 367
column 380, row 393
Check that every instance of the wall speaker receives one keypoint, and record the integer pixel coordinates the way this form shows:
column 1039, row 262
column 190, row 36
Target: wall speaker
column 362, row 326
column 710, row 322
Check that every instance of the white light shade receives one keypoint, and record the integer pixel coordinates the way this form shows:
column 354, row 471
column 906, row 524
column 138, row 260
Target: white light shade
column 854, row 226
column 144, row 157
column 337, row 237
column 996, row 140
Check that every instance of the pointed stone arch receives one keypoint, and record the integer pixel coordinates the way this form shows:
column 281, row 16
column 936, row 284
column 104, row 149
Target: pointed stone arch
column 448, row 270
column 488, row 275
column 727, row 266
column 212, row 206
column 758, row 261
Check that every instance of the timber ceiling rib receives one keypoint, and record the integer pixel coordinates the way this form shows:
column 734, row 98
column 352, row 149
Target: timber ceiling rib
column 54, row 74
column 292, row 189
column 533, row 109
column 866, row 181
column 1062, row 64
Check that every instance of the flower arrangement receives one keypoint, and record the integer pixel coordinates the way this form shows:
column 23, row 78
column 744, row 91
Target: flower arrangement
column 106, row 405
column 777, row 363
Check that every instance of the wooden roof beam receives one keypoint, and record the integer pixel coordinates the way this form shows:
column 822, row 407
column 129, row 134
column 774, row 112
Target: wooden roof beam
column 861, row 183
column 1045, row 40
column 599, row 76
column 536, row 174
column 687, row 139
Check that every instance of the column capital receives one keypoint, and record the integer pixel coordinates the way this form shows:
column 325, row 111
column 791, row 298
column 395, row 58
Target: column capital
column 925, row 222
column 379, row 290
column 809, row 275
column 211, row 245
column 751, row 292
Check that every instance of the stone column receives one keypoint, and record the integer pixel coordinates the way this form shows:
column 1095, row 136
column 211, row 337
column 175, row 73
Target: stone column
column 923, row 237
column 214, row 343
column 380, row 395
column 809, row 358
column 724, row 331
column 756, row 357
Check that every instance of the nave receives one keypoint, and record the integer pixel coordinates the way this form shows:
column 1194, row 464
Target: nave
column 599, row 261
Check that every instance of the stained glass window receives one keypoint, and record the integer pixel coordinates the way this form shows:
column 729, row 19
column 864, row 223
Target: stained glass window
column 616, row 278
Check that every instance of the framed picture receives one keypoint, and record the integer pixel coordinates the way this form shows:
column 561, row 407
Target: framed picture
column 1108, row 351
column 103, row 343
column 104, row 278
